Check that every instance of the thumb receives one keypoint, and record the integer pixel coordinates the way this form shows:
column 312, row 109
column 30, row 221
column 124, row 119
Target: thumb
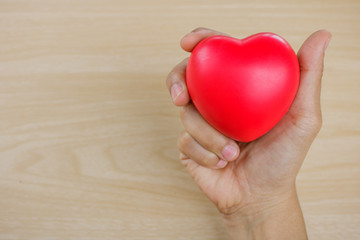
column 311, row 61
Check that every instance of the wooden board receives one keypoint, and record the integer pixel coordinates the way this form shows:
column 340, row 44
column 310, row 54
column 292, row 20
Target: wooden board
column 88, row 132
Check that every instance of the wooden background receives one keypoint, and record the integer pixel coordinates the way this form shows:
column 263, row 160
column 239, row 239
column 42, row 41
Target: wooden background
column 88, row 132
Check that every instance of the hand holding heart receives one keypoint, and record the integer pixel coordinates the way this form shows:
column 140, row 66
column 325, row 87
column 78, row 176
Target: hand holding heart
column 241, row 178
column 257, row 77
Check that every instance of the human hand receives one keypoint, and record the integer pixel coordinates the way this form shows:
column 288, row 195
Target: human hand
column 253, row 184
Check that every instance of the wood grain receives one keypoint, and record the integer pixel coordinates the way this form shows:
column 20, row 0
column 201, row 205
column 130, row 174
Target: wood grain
column 88, row 132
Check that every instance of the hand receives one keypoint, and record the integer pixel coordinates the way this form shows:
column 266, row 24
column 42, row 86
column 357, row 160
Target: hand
column 253, row 184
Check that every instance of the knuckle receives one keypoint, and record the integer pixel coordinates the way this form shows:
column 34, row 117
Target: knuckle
column 177, row 73
column 183, row 113
column 317, row 123
column 184, row 140
column 312, row 124
column 172, row 76
column 182, row 156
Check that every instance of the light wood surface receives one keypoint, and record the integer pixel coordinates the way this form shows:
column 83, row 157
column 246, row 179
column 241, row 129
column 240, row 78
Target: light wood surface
column 88, row 132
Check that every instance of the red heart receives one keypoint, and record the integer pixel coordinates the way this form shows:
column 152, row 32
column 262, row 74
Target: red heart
column 243, row 87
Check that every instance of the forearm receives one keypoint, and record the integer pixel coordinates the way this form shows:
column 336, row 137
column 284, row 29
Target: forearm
column 277, row 221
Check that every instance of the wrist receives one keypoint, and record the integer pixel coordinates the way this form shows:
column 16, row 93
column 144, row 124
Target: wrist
column 274, row 218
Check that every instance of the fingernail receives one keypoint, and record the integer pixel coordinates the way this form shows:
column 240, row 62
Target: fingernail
column 176, row 90
column 221, row 164
column 229, row 152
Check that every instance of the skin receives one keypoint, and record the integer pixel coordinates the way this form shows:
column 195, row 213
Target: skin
column 253, row 184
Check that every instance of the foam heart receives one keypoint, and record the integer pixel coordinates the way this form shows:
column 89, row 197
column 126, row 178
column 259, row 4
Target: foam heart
column 243, row 87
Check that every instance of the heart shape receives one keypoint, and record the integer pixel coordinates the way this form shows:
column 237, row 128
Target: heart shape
column 243, row 87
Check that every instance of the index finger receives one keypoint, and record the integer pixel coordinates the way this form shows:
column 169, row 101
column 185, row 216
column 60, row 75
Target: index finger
column 189, row 41
column 176, row 80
